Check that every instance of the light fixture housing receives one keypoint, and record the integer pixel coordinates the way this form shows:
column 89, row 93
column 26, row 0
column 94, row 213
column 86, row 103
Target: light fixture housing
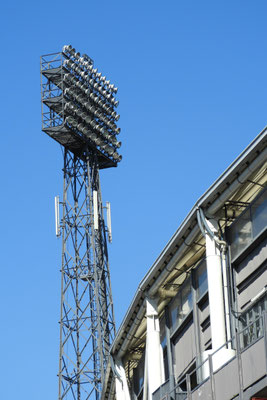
column 78, row 106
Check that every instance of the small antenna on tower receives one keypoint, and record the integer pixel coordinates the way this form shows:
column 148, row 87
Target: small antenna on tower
column 95, row 202
column 57, row 216
column 109, row 221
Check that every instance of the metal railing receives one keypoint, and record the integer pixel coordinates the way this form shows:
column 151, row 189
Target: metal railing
column 51, row 61
column 190, row 382
column 50, row 121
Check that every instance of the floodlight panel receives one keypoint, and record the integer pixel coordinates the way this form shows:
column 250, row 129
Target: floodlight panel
column 82, row 105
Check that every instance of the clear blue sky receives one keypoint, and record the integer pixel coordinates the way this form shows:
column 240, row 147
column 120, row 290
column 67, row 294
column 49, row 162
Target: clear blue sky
column 192, row 84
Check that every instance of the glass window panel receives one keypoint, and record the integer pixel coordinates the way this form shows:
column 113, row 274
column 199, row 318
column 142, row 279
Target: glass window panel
column 186, row 299
column 241, row 234
column 139, row 376
column 182, row 304
column 248, row 225
column 162, row 330
column 252, row 323
column 201, row 279
column 259, row 214
column 175, row 310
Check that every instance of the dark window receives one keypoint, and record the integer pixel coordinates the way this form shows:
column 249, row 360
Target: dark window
column 181, row 383
column 163, row 342
column 138, row 377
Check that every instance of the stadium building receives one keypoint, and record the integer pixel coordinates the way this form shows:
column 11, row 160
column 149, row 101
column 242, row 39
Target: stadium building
column 197, row 325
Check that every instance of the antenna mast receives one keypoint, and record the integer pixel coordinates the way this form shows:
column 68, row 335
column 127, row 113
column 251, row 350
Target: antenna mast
column 78, row 112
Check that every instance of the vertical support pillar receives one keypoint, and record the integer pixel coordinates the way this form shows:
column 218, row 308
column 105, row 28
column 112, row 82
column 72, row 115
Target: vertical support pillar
column 212, row 387
column 122, row 389
column 154, row 356
column 188, row 387
column 216, row 300
column 215, row 284
column 196, row 326
column 240, row 367
column 264, row 323
column 169, row 351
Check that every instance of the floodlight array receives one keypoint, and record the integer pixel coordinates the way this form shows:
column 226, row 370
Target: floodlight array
column 89, row 103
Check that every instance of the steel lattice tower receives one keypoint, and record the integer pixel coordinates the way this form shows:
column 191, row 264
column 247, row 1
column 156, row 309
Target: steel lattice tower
column 87, row 320
column 87, row 325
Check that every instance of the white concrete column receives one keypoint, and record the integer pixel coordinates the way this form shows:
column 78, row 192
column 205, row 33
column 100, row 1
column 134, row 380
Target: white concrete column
column 215, row 284
column 154, row 358
column 216, row 304
column 122, row 390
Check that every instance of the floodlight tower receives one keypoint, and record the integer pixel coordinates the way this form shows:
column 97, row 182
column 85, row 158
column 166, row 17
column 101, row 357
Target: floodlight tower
column 78, row 111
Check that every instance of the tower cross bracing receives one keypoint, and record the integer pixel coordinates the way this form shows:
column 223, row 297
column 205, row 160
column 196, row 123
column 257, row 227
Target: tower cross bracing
column 87, row 320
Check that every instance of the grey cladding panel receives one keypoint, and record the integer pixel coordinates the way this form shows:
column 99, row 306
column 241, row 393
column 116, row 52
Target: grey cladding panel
column 253, row 287
column 254, row 363
column 204, row 310
column 251, row 262
column 251, row 275
column 203, row 392
column 184, row 348
column 226, row 381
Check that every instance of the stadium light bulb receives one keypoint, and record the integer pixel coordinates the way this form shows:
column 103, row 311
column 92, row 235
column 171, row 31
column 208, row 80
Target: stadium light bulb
column 67, row 48
column 117, row 157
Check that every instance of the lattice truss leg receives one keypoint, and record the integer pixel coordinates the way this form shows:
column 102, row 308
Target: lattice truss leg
column 87, row 323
